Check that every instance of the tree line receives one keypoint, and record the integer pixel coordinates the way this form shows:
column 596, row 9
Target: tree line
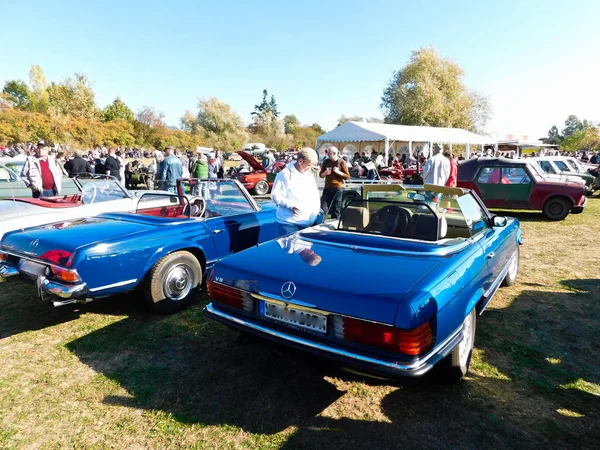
column 576, row 135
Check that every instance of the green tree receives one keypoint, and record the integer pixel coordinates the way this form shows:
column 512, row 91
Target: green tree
column 217, row 125
column 572, row 124
column 265, row 106
column 17, row 93
column 39, row 90
column 429, row 91
column 583, row 139
column 118, row 110
column 72, row 97
column 290, row 122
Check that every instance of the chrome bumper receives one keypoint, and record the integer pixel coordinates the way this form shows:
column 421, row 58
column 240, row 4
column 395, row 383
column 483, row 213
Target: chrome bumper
column 417, row 368
column 7, row 271
column 578, row 209
column 60, row 294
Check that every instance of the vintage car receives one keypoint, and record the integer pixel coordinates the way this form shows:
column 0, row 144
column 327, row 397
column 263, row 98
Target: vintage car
column 164, row 250
column 96, row 194
column 12, row 186
column 393, row 287
column 557, row 165
column 517, row 184
column 260, row 180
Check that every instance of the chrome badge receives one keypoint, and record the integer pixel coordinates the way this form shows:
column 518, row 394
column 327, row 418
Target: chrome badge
column 288, row 289
column 33, row 244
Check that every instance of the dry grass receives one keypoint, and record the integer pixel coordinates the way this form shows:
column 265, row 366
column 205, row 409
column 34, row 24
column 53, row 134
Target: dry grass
column 111, row 375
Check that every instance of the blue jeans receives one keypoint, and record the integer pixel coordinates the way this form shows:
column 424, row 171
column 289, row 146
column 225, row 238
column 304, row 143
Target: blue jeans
column 171, row 189
column 45, row 193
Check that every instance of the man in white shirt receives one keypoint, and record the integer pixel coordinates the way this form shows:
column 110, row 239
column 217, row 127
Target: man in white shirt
column 296, row 194
column 437, row 168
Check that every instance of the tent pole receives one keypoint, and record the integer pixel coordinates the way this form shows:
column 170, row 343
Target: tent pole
column 409, row 148
column 468, row 151
column 387, row 143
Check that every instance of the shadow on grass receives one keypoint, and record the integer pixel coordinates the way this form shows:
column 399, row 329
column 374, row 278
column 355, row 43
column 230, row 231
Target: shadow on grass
column 536, row 357
column 22, row 311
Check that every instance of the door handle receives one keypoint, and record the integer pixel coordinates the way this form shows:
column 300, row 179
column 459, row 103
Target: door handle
column 217, row 231
column 490, row 255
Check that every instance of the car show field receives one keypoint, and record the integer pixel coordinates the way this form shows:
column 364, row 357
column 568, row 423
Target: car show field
column 112, row 374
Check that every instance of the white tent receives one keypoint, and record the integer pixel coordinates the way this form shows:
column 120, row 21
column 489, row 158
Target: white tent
column 385, row 137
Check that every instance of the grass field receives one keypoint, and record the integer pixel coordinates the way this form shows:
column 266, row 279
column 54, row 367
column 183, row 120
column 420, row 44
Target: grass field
column 111, row 375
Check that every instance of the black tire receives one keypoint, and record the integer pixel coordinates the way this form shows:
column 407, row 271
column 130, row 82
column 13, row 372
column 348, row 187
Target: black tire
column 172, row 282
column 556, row 208
column 513, row 269
column 456, row 364
column 261, row 188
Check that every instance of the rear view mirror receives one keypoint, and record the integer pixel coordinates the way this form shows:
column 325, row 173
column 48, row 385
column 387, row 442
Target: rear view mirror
column 499, row 221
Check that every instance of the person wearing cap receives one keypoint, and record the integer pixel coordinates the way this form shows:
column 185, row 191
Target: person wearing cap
column 41, row 174
column 437, row 168
column 171, row 170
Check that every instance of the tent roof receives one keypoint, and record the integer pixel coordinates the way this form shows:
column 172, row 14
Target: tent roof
column 370, row 132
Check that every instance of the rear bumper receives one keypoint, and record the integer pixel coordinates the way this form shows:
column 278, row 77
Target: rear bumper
column 346, row 357
column 578, row 209
column 53, row 290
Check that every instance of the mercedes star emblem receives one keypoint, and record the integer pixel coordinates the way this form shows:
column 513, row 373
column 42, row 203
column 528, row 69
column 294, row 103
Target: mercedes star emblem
column 33, row 244
column 288, row 289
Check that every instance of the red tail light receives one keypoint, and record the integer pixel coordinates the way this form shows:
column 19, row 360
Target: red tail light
column 3, row 257
column 70, row 276
column 230, row 296
column 57, row 256
column 409, row 342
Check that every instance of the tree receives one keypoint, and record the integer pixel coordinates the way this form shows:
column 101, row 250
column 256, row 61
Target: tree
column 39, row 90
column 572, row 124
column 583, row 139
column 72, row 97
column 554, row 136
column 17, row 93
column 265, row 106
column 290, row 122
column 343, row 119
column 150, row 117
column 118, row 110
column 217, row 125
column 429, row 91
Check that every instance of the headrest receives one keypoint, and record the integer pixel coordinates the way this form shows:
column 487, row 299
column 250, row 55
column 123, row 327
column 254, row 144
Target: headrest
column 355, row 218
column 443, row 227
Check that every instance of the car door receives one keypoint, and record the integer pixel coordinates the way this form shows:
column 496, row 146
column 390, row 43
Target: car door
column 515, row 187
column 493, row 240
column 487, row 182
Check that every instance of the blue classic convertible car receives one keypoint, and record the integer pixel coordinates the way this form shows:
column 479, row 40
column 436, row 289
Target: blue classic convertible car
column 164, row 248
column 393, row 287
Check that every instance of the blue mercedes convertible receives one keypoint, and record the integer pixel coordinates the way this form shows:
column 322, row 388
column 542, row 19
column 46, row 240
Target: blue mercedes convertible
column 164, row 248
column 394, row 287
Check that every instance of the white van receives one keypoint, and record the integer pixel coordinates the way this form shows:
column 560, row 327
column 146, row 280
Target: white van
column 255, row 148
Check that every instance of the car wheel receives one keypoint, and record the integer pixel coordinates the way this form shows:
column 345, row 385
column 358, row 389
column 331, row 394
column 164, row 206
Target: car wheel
column 513, row 269
column 261, row 188
column 556, row 208
column 457, row 363
column 172, row 282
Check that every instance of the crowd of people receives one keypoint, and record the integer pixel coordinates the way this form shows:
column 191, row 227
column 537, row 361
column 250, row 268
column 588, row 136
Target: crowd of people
column 45, row 165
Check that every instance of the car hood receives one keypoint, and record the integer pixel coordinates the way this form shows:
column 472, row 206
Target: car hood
column 252, row 161
column 363, row 283
column 69, row 235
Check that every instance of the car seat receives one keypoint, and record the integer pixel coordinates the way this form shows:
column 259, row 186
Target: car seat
column 354, row 218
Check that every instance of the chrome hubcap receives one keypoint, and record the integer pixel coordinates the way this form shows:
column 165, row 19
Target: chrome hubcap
column 467, row 342
column 178, row 282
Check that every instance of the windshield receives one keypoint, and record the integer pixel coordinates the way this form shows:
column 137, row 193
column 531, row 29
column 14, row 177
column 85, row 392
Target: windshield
column 562, row 166
column 222, row 197
column 100, row 189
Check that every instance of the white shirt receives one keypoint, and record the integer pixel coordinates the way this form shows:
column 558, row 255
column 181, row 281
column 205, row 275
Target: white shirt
column 293, row 189
column 436, row 170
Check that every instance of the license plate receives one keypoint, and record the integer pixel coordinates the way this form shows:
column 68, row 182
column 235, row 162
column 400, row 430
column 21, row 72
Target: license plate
column 32, row 268
column 302, row 319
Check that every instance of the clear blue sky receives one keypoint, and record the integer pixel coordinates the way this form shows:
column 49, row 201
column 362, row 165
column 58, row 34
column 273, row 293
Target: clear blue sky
column 536, row 59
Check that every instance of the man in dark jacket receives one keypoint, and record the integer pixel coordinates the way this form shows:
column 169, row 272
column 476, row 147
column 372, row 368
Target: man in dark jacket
column 112, row 166
column 77, row 165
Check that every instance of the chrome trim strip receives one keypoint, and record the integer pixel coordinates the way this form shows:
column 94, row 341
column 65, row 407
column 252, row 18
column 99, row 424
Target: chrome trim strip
column 109, row 286
column 277, row 299
column 496, row 284
column 417, row 367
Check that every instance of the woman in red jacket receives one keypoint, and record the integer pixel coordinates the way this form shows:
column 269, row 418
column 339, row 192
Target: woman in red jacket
column 453, row 169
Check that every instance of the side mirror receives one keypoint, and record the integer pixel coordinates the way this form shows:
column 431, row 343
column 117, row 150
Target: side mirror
column 499, row 221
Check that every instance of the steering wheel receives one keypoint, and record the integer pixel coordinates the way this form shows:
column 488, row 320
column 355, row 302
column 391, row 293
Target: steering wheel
column 197, row 206
column 88, row 193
